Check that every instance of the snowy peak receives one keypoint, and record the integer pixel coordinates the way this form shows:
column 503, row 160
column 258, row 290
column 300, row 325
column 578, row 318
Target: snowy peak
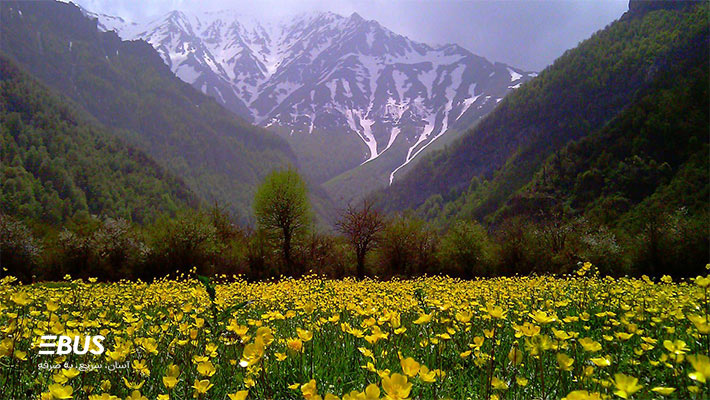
column 322, row 72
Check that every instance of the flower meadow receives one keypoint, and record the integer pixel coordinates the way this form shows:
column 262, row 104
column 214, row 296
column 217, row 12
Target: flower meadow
column 540, row 337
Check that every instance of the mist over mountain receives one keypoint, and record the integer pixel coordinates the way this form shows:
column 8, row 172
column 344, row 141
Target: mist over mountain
column 344, row 91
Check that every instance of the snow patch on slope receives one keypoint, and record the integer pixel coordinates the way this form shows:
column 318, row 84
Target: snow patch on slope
column 364, row 131
column 514, row 76
column 280, row 69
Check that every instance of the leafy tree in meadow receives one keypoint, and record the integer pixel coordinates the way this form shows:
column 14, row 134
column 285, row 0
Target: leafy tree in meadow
column 466, row 250
column 282, row 210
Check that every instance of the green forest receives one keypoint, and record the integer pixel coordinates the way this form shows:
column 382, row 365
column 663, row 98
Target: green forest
column 57, row 166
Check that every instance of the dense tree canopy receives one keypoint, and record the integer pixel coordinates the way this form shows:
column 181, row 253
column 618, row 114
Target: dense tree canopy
column 282, row 208
column 55, row 165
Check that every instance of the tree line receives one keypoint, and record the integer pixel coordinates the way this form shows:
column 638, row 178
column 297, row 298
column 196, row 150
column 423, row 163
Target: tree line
column 365, row 242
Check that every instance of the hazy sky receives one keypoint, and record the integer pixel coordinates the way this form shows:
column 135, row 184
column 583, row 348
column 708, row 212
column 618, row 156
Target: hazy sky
column 528, row 34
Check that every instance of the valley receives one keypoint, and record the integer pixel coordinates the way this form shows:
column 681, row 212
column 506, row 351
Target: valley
column 343, row 91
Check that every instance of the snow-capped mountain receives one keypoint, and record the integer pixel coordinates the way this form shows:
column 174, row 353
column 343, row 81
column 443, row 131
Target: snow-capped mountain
column 320, row 73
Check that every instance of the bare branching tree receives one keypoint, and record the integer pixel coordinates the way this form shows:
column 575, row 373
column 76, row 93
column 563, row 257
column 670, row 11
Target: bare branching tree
column 362, row 227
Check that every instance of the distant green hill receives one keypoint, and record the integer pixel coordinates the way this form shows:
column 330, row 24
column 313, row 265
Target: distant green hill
column 619, row 121
column 126, row 86
column 56, row 165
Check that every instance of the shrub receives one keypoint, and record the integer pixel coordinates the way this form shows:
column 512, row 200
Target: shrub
column 19, row 250
column 514, row 237
column 108, row 249
column 407, row 248
column 600, row 246
column 181, row 243
column 466, row 251
column 672, row 243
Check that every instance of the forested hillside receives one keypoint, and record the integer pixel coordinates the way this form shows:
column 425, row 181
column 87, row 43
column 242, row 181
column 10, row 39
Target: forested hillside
column 655, row 151
column 56, row 165
column 656, row 146
column 126, row 86
column 607, row 87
